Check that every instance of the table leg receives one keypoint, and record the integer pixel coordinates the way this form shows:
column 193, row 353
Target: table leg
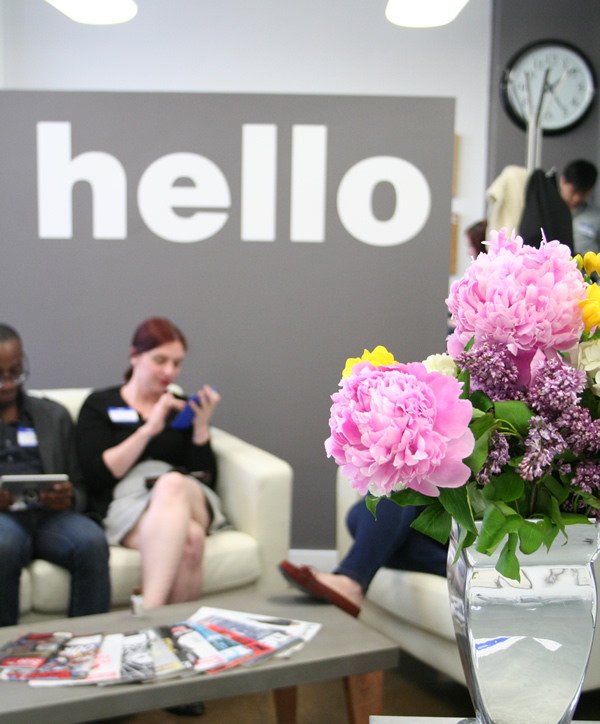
column 364, row 696
column 285, row 704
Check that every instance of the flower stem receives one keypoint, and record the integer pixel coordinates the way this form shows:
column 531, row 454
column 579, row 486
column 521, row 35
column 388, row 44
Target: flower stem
column 532, row 498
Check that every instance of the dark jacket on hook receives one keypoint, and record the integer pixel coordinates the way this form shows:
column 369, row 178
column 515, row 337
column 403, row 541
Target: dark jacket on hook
column 545, row 210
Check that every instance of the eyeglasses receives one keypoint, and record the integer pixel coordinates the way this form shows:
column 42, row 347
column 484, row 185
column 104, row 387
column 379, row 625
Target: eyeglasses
column 17, row 378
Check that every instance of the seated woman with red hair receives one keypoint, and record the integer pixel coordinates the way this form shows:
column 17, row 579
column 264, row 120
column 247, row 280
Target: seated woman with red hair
column 140, row 469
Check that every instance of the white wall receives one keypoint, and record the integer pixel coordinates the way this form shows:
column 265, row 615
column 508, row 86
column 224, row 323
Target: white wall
column 263, row 46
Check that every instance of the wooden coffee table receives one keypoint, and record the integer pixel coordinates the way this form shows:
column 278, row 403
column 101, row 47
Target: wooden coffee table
column 344, row 648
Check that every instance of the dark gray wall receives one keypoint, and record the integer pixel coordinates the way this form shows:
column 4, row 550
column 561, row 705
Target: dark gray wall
column 270, row 324
column 517, row 23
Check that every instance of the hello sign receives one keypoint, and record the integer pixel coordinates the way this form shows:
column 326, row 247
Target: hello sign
column 209, row 195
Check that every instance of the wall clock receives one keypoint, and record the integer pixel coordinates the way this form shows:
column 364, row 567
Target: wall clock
column 570, row 86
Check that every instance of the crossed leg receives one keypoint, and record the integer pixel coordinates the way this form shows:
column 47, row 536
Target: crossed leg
column 170, row 535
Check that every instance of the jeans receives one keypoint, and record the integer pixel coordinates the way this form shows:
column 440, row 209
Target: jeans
column 66, row 538
column 388, row 540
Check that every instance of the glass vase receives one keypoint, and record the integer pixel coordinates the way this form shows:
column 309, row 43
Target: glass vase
column 525, row 644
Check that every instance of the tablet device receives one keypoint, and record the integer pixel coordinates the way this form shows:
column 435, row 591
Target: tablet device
column 27, row 487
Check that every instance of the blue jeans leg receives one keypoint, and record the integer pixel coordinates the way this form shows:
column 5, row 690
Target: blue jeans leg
column 388, row 540
column 16, row 551
column 78, row 544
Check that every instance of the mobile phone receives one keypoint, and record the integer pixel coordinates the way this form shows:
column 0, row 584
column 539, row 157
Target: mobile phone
column 185, row 417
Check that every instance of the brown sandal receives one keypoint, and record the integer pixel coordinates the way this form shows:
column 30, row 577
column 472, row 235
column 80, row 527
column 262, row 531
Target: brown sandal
column 303, row 578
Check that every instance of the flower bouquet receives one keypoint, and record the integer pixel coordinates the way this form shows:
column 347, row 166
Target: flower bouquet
column 504, row 429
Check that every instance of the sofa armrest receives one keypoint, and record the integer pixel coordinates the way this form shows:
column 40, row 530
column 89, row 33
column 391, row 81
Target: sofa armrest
column 256, row 489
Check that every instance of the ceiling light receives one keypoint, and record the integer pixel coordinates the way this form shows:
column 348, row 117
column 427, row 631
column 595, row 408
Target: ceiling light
column 423, row 13
column 97, row 12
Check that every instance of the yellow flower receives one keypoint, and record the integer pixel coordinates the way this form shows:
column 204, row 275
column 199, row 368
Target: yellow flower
column 590, row 307
column 378, row 357
column 579, row 261
column 590, row 262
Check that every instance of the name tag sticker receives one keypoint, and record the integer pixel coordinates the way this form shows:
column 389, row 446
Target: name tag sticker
column 26, row 437
column 123, row 414
column 586, row 230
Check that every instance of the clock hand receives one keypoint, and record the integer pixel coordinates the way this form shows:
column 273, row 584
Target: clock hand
column 554, row 87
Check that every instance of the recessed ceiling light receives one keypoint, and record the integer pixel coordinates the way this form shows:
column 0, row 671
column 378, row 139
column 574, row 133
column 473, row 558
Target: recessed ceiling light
column 97, row 12
column 423, row 13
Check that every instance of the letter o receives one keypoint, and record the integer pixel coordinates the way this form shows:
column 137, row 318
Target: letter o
column 355, row 194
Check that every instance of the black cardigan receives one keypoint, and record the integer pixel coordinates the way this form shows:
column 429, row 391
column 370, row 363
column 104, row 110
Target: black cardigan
column 96, row 432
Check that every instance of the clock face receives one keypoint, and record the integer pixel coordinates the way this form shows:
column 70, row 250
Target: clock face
column 570, row 86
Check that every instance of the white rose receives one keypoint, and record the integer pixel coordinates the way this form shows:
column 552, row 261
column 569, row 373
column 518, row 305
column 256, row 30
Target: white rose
column 441, row 363
column 588, row 359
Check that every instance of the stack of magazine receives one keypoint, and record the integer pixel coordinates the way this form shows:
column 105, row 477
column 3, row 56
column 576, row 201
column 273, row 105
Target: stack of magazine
column 210, row 641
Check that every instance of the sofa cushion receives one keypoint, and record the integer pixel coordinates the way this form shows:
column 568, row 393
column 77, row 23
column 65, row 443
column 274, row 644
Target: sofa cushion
column 231, row 560
column 420, row 599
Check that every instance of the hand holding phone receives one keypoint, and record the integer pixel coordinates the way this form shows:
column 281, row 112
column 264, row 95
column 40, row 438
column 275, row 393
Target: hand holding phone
column 185, row 417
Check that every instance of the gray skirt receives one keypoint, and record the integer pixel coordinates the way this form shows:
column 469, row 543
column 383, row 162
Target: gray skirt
column 131, row 498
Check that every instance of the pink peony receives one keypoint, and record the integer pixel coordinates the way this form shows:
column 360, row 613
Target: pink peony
column 400, row 426
column 520, row 296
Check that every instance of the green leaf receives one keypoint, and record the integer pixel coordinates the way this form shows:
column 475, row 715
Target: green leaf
column 555, row 514
column 550, row 534
column 477, row 499
column 481, row 423
column 508, row 563
column 515, row 413
column 513, row 519
column 576, row 518
column 464, row 377
column 508, row 487
column 456, row 502
column 372, row 502
column 480, row 452
column 531, row 536
column 465, row 539
column 408, row 496
column 559, row 490
column 435, row 522
column 489, row 492
column 493, row 529
column 481, row 401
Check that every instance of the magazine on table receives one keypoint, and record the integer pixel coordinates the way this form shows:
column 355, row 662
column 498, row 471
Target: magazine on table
column 211, row 649
column 137, row 662
column 74, row 660
column 21, row 657
column 106, row 668
column 169, row 659
column 264, row 639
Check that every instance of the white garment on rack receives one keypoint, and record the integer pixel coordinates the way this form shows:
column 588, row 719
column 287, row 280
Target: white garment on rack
column 506, row 198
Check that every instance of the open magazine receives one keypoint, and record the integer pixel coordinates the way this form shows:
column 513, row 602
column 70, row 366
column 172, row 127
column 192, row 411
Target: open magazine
column 274, row 636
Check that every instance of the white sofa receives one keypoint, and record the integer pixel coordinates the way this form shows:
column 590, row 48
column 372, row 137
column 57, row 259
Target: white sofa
column 256, row 489
column 413, row 609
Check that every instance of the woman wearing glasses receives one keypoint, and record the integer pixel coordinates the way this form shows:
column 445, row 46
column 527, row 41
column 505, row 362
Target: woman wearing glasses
column 151, row 482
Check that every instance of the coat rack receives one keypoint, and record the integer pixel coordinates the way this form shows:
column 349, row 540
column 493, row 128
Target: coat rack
column 534, row 125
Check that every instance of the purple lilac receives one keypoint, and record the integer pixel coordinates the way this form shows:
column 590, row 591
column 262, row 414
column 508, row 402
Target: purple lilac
column 556, row 388
column 542, row 444
column 492, row 369
column 498, row 455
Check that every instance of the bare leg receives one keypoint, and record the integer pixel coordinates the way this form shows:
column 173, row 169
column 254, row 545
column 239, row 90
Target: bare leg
column 346, row 586
column 188, row 579
column 166, row 534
